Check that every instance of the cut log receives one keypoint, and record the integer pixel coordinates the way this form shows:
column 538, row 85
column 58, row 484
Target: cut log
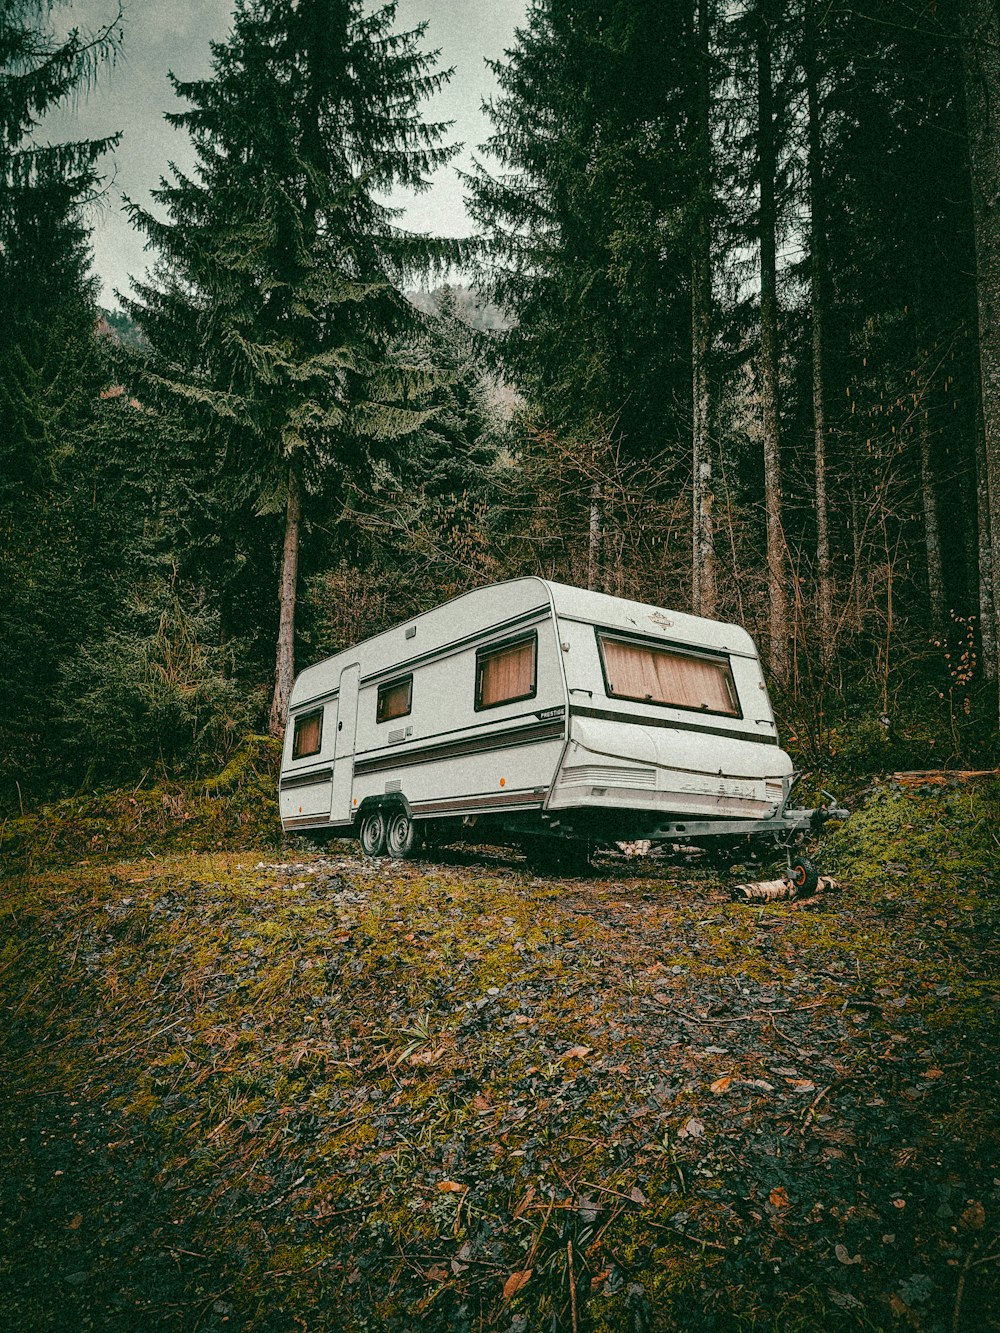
column 942, row 777
column 772, row 890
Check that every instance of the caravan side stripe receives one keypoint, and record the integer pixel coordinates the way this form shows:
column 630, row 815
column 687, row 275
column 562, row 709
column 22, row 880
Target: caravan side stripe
column 612, row 715
column 427, row 754
column 305, row 779
column 446, row 805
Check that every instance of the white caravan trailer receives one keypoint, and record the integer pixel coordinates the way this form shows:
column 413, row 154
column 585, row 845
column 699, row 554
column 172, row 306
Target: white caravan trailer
column 545, row 714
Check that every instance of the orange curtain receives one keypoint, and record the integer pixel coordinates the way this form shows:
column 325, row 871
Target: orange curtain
column 507, row 674
column 307, row 735
column 394, row 702
column 639, row 672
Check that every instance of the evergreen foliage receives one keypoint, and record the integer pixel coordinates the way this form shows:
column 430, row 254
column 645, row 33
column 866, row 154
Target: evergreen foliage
column 276, row 306
column 53, row 547
column 585, row 211
column 595, row 413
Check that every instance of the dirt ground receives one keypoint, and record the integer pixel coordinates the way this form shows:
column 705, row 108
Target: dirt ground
column 304, row 1090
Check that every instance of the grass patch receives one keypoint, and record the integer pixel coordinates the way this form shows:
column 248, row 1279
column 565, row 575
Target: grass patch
column 276, row 1091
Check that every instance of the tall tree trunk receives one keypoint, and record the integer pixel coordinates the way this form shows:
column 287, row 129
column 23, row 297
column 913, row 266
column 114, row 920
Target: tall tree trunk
column 932, row 532
column 980, row 25
column 703, row 591
column 284, row 668
column 779, row 632
column 988, row 606
column 824, row 578
column 594, row 538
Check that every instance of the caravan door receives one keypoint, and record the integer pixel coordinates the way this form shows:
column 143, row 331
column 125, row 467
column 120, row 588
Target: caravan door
column 343, row 752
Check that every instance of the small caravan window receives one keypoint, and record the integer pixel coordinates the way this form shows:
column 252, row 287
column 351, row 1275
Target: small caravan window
column 647, row 672
column 505, row 673
column 394, row 699
column 308, row 735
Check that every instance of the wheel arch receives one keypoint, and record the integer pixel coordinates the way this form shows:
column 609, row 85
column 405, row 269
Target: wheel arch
column 389, row 801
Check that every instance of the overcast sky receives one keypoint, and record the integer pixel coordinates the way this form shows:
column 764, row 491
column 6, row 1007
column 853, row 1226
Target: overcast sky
column 163, row 35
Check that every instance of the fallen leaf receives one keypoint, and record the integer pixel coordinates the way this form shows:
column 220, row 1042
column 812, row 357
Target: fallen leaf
column 520, row 1019
column 451, row 1187
column 974, row 1216
column 427, row 1057
column 693, row 1129
column 934, row 1073
column 76, row 1222
column 525, row 1202
column 600, row 1277
column 515, row 1282
column 480, row 1103
column 636, row 1195
column 576, row 1053
column 844, row 1256
column 779, row 1197
column 722, row 1084
column 436, row 1274
column 802, row 1084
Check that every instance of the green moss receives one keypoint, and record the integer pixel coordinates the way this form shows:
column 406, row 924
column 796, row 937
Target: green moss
column 316, row 1070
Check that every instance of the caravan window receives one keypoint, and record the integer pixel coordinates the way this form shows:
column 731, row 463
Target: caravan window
column 506, row 673
column 308, row 735
column 394, row 698
column 649, row 673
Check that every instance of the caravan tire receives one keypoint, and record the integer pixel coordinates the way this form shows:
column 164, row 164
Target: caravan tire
column 401, row 837
column 371, row 834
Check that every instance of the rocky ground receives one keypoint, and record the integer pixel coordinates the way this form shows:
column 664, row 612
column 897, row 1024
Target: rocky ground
column 281, row 1090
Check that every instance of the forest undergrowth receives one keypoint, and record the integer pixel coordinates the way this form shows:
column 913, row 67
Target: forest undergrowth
column 263, row 1088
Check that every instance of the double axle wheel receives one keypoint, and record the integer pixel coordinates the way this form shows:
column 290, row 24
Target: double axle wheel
column 388, row 832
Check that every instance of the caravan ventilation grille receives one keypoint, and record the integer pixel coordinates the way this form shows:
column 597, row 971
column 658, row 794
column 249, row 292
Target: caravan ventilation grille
column 773, row 791
column 605, row 775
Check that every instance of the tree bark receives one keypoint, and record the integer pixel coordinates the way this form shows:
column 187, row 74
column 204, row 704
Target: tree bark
column 779, row 633
column 980, row 27
column 932, row 532
column 824, row 578
column 703, row 584
column 284, row 669
column 594, row 539
column 987, row 605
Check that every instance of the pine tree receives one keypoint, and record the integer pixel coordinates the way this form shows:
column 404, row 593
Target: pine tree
column 279, row 293
column 981, row 63
column 585, row 219
column 50, row 380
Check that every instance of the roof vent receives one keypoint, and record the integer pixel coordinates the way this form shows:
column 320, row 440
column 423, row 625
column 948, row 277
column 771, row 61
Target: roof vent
column 411, row 631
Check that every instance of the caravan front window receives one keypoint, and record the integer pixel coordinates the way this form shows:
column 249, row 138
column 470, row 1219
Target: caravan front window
column 506, row 673
column 308, row 737
column 648, row 673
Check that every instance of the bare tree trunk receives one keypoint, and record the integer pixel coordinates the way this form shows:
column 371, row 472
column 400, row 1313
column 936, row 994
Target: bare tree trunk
column 703, row 593
column 980, row 25
column 824, row 577
column 594, row 538
column 932, row 533
column 284, row 669
column 778, row 624
column 987, row 604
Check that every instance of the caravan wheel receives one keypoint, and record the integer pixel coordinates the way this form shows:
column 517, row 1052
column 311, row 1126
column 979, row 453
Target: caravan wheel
column 401, row 835
column 371, row 834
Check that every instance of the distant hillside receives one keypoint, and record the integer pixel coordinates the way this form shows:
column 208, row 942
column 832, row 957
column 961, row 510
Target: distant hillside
column 478, row 314
column 121, row 327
